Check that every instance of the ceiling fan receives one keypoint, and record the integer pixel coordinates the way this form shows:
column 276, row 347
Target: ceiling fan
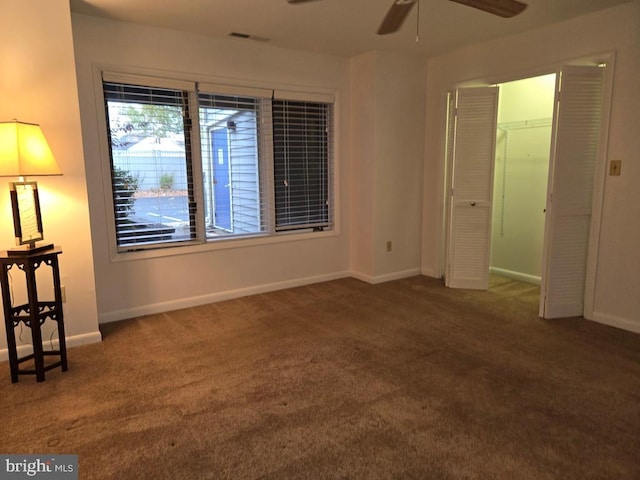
column 401, row 8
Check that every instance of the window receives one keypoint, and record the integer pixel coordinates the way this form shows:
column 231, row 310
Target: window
column 250, row 163
column 301, row 164
column 233, row 196
column 151, row 174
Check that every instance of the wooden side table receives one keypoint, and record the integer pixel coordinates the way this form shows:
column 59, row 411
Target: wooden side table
column 34, row 313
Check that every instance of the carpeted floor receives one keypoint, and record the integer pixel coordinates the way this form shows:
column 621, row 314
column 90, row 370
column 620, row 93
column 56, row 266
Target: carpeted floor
column 342, row 379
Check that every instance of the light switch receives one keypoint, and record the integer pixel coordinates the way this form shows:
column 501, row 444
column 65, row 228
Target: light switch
column 614, row 167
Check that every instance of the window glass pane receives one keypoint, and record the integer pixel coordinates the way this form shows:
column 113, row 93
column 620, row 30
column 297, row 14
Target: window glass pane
column 301, row 148
column 150, row 165
column 229, row 132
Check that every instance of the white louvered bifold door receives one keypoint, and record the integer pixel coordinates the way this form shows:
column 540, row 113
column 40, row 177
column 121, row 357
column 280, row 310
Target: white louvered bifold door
column 569, row 204
column 473, row 158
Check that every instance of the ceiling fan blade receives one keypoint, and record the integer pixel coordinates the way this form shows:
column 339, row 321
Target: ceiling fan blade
column 502, row 8
column 395, row 16
column 300, row 1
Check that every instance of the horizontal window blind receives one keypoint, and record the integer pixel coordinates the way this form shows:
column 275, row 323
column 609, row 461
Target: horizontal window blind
column 151, row 169
column 302, row 164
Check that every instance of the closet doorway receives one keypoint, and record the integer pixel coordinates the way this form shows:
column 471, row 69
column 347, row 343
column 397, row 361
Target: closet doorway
column 521, row 171
column 570, row 213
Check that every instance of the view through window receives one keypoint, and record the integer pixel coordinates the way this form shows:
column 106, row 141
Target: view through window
column 264, row 165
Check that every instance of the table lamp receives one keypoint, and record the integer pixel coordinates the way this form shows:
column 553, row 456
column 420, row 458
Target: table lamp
column 24, row 151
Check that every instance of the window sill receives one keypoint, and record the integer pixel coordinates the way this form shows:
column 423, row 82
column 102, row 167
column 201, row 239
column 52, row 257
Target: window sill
column 220, row 244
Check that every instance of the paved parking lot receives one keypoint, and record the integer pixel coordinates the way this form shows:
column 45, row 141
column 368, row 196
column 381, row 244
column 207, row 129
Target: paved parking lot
column 167, row 210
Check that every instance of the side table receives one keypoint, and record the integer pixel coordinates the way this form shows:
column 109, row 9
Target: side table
column 34, row 313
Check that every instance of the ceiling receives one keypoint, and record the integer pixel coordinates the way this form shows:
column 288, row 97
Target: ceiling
column 338, row 27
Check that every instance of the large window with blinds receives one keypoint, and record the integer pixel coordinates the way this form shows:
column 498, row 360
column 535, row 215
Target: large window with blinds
column 247, row 163
column 234, row 199
column 301, row 164
column 151, row 164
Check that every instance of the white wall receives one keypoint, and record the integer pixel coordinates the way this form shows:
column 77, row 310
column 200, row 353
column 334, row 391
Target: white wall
column 617, row 29
column 387, row 151
column 38, row 85
column 207, row 273
column 363, row 163
column 400, row 114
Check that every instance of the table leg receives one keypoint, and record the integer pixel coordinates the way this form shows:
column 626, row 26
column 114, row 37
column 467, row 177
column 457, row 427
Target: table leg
column 34, row 310
column 8, row 323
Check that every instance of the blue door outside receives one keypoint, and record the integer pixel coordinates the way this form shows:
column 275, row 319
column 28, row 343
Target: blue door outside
column 221, row 178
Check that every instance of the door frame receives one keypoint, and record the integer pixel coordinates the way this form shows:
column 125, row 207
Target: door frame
column 217, row 189
column 606, row 58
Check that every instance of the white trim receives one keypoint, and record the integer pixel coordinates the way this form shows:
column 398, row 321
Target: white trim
column 224, row 243
column 147, row 81
column 617, row 322
column 303, row 96
column 362, row 277
column 84, row 339
column 430, row 272
column 599, row 185
column 235, row 90
column 387, row 277
column 521, row 277
column 74, row 341
column 308, row 92
column 105, row 159
column 160, row 307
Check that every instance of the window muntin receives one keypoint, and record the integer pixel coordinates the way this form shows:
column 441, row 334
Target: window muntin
column 264, row 165
column 151, row 178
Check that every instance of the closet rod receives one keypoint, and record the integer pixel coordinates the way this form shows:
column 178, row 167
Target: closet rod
column 535, row 123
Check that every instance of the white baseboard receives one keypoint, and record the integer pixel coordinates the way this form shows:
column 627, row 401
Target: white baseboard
column 84, row 339
column 72, row 341
column 430, row 272
column 116, row 315
column 617, row 322
column 521, row 277
column 387, row 277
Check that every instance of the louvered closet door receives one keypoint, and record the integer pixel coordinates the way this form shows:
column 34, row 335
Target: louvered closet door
column 569, row 204
column 473, row 158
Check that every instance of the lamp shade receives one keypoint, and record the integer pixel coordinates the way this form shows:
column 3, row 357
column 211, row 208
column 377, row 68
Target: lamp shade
column 24, row 151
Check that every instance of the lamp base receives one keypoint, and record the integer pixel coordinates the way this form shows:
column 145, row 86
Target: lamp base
column 28, row 248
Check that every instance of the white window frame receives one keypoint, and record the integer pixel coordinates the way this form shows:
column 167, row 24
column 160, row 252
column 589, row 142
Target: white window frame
column 194, row 85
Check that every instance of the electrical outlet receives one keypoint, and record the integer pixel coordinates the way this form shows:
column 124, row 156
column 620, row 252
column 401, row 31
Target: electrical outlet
column 614, row 167
column 389, row 246
column 63, row 293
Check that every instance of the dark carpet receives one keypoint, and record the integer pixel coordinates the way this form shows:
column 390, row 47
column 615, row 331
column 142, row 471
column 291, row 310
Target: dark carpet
column 342, row 379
